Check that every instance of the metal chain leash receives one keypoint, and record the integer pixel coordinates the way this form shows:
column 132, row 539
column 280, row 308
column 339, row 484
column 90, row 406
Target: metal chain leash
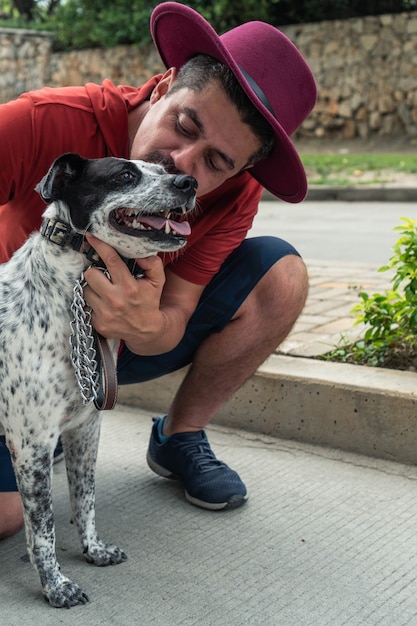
column 82, row 343
column 82, row 340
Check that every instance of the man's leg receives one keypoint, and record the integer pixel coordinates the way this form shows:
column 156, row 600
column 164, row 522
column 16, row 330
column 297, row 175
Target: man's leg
column 227, row 359
column 243, row 315
column 11, row 512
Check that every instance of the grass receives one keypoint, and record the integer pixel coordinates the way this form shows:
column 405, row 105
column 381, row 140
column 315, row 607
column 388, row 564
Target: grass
column 357, row 169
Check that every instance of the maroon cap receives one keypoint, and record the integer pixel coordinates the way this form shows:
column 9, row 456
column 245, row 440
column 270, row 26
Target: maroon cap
column 269, row 68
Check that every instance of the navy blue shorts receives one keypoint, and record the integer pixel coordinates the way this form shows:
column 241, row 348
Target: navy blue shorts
column 7, row 479
column 218, row 303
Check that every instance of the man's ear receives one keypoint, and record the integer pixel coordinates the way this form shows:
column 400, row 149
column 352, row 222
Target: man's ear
column 164, row 85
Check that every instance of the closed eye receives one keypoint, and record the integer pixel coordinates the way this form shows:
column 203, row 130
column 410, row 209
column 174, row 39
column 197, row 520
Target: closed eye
column 189, row 125
column 184, row 130
column 212, row 165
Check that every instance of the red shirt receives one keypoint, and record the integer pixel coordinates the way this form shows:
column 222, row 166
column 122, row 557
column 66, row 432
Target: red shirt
column 93, row 121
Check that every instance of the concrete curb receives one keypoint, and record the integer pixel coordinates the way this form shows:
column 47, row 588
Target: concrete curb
column 377, row 193
column 371, row 411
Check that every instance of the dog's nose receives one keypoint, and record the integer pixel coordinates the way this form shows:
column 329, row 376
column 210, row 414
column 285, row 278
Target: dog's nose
column 187, row 184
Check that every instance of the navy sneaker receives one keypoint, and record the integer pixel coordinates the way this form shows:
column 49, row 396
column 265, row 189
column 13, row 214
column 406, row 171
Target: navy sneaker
column 209, row 483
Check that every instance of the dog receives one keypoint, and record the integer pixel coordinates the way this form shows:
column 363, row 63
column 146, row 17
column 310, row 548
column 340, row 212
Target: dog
column 138, row 209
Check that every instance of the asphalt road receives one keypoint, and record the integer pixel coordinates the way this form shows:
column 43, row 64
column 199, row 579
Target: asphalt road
column 336, row 231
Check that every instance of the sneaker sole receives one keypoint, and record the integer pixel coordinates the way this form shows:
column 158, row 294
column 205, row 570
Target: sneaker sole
column 233, row 503
column 158, row 469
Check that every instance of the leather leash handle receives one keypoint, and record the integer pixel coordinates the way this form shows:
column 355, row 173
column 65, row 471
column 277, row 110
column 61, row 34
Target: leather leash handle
column 107, row 392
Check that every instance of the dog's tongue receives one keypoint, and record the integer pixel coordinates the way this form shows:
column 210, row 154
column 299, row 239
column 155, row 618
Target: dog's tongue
column 158, row 223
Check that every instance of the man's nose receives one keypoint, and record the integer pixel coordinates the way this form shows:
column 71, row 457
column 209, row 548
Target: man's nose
column 186, row 160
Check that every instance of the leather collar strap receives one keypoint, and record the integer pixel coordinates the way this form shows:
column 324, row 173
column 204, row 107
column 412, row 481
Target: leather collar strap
column 63, row 235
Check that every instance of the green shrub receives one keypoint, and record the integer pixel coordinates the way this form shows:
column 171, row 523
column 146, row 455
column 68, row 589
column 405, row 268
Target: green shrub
column 390, row 339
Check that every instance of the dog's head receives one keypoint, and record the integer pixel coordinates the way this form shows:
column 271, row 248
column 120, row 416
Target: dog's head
column 135, row 207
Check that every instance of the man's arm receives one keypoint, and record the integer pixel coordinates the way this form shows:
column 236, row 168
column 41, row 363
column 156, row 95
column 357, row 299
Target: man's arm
column 150, row 314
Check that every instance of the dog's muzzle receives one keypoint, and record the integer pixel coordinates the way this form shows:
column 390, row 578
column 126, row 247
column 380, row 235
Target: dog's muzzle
column 170, row 223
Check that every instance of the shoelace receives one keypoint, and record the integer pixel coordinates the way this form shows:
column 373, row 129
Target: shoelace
column 202, row 456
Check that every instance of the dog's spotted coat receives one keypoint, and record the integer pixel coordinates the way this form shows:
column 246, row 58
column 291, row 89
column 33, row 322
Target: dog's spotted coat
column 39, row 397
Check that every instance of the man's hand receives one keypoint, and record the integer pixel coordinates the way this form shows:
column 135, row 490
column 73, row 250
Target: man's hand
column 125, row 307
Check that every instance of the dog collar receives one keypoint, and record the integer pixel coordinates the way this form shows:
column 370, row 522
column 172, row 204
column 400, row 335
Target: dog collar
column 63, row 235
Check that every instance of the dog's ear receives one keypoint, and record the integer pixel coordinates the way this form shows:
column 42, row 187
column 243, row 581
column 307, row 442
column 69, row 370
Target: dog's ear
column 65, row 170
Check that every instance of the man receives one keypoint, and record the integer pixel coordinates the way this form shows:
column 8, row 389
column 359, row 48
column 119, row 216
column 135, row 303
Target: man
column 224, row 302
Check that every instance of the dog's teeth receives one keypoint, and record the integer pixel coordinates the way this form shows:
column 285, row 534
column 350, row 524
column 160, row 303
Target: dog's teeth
column 137, row 225
column 167, row 228
column 184, row 210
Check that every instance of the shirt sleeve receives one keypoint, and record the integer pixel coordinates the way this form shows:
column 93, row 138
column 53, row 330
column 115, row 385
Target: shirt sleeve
column 34, row 130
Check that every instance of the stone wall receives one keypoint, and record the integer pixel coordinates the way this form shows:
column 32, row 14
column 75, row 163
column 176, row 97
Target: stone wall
column 123, row 65
column 24, row 62
column 366, row 71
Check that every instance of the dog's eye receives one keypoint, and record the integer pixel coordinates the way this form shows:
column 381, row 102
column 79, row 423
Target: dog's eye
column 127, row 177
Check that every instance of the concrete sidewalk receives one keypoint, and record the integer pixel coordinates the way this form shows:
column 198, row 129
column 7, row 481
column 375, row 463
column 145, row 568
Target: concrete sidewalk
column 326, row 539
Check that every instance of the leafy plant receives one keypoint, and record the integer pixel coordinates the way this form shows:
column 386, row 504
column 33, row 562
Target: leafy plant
column 390, row 339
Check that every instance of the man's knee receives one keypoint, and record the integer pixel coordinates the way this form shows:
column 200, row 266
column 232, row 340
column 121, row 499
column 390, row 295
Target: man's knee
column 11, row 513
column 283, row 287
column 274, row 305
column 290, row 277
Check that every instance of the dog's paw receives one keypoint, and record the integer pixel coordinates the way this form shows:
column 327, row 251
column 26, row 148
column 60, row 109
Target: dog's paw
column 103, row 554
column 65, row 595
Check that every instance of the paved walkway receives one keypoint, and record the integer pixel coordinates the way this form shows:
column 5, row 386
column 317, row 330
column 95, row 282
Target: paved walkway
column 327, row 318
column 326, row 539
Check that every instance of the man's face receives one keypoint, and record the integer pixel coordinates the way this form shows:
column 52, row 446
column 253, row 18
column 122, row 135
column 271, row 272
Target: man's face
column 195, row 133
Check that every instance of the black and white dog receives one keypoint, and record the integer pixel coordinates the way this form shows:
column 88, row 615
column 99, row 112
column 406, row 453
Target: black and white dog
column 136, row 208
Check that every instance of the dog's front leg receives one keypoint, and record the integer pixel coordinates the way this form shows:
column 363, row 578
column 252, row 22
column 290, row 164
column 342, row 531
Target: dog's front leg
column 80, row 447
column 33, row 468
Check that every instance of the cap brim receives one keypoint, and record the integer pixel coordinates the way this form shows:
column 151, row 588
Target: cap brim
column 180, row 33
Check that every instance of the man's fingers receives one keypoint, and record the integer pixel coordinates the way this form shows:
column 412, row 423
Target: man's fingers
column 115, row 266
column 153, row 268
column 152, row 265
column 117, row 270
